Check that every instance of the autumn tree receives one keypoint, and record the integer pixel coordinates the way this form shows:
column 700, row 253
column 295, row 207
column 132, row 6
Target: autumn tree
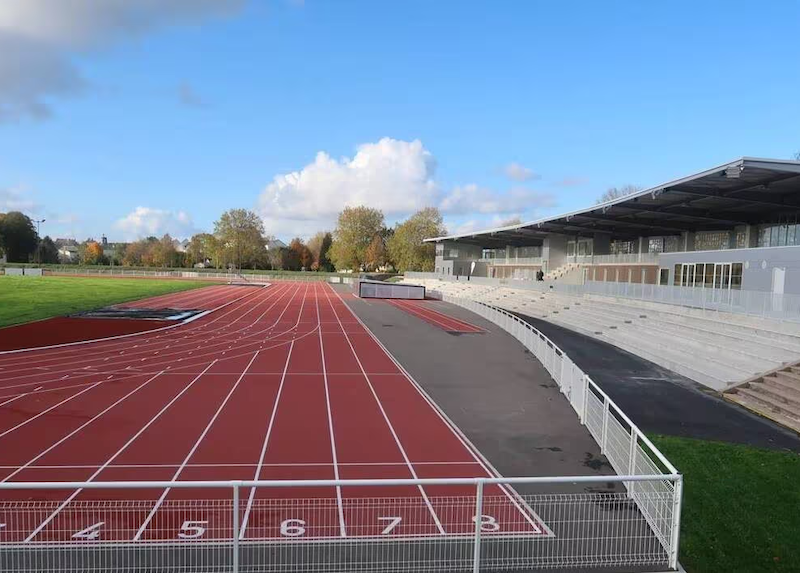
column 320, row 246
column 355, row 230
column 302, row 254
column 406, row 248
column 134, row 254
column 241, row 236
column 163, row 252
column 375, row 255
column 18, row 237
column 92, row 253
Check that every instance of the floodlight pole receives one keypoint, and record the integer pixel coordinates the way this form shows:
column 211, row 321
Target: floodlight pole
column 39, row 242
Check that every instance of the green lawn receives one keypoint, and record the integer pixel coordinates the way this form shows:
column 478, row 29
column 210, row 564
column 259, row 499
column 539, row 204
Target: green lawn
column 741, row 508
column 23, row 299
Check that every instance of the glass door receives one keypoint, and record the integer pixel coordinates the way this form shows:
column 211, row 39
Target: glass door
column 687, row 274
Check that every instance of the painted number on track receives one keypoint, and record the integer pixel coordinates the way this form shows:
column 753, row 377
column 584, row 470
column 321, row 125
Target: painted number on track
column 92, row 532
column 293, row 527
column 488, row 523
column 192, row 529
column 392, row 523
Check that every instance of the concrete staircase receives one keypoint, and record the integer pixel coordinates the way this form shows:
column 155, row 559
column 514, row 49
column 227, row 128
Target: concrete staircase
column 775, row 396
column 563, row 272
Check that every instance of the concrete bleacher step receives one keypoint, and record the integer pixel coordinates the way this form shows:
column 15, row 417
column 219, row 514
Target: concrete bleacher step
column 758, row 407
column 777, row 339
column 775, row 395
column 741, row 355
column 787, row 332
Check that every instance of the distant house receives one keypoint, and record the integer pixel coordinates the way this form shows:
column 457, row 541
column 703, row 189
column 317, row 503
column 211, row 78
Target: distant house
column 68, row 254
column 275, row 244
column 181, row 246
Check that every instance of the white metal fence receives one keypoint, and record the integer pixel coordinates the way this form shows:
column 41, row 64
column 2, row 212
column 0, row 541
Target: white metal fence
column 248, row 526
column 231, row 277
column 628, row 450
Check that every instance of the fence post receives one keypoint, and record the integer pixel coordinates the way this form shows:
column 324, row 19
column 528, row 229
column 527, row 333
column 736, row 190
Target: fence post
column 236, row 533
column 476, row 554
column 632, row 460
column 585, row 391
column 605, row 425
column 676, row 523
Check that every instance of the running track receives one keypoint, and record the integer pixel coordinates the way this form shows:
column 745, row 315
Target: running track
column 274, row 383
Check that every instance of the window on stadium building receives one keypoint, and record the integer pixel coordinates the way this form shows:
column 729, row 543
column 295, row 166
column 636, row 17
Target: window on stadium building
column 712, row 240
column 623, row 247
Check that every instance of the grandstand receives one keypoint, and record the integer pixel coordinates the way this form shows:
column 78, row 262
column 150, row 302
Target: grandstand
column 700, row 275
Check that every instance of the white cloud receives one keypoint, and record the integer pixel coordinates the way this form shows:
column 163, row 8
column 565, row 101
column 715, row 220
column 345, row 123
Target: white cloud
column 395, row 176
column 145, row 222
column 12, row 199
column 392, row 175
column 38, row 38
column 519, row 173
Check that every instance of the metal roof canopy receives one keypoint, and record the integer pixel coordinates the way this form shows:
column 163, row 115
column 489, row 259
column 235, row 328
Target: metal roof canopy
column 746, row 191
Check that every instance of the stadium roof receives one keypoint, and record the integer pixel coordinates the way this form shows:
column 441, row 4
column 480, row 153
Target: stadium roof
column 746, row 191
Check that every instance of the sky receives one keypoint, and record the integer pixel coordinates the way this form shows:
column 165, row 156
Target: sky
column 141, row 117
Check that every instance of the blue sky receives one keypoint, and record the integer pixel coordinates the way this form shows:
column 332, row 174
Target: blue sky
column 140, row 117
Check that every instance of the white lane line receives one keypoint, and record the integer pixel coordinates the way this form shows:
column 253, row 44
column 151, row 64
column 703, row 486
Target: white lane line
column 265, row 444
column 342, row 529
column 53, row 407
column 79, row 428
column 66, row 502
column 456, row 431
column 242, row 465
column 197, row 443
column 388, row 422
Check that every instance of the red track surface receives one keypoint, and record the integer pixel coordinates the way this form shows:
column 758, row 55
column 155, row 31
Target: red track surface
column 276, row 383
column 421, row 309
column 65, row 329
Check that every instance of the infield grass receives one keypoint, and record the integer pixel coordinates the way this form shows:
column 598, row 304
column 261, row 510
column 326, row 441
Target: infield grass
column 23, row 299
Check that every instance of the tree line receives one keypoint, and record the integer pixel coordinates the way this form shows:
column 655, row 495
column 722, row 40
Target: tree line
column 361, row 241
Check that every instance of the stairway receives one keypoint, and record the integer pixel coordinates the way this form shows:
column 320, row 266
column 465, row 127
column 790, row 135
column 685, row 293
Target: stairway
column 775, row 396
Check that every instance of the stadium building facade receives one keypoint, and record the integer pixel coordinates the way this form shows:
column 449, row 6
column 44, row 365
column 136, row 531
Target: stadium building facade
column 732, row 227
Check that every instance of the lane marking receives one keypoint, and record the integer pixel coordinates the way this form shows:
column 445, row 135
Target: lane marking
column 388, row 422
column 66, row 502
column 263, row 453
column 79, row 428
column 197, row 443
column 468, row 445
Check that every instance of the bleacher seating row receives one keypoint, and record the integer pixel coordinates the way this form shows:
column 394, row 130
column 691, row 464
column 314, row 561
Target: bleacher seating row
column 719, row 350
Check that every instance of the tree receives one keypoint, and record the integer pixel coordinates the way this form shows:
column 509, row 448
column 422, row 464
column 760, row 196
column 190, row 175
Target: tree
column 375, row 255
column 320, row 246
column 241, row 236
column 202, row 247
column 164, row 253
column 511, row 221
column 134, row 254
column 92, row 253
column 406, row 248
column 617, row 192
column 797, row 156
column 355, row 229
column 275, row 258
column 48, row 252
column 18, row 237
column 301, row 253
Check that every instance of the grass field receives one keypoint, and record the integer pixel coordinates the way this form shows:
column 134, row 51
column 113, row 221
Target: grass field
column 23, row 299
column 741, row 507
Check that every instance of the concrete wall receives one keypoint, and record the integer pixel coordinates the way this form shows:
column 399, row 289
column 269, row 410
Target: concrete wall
column 758, row 265
column 554, row 251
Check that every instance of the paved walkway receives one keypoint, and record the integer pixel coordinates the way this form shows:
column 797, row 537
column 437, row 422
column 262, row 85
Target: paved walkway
column 662, row 402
